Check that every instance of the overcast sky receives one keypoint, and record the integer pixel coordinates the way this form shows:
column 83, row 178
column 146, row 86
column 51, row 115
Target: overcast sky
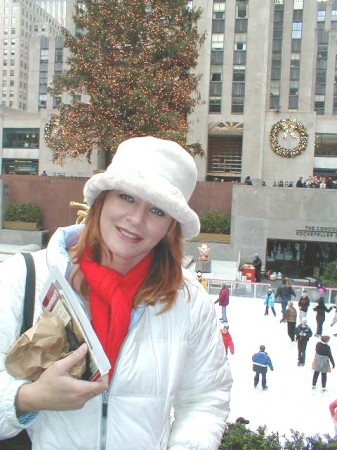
column 289, row 402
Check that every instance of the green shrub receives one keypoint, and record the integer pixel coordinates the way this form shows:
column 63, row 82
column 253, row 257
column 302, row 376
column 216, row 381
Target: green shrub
column 215, row 222
column 238, row 437
column 329, row 277
column 23, row 212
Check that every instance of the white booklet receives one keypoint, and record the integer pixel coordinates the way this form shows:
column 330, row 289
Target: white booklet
column 58, row 297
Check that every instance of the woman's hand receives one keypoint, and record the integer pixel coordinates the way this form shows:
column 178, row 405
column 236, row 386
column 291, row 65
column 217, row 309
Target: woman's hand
column 57, row 390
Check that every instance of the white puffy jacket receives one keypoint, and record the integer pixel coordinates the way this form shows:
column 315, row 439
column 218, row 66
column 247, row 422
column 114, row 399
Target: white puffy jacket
column 170, row 360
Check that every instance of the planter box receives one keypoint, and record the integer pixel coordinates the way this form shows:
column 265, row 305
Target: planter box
column 212, row 237
column 28, row 226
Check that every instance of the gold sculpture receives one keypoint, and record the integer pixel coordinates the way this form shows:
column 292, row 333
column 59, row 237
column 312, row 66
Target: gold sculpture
column 203, row 252
column 82, row 213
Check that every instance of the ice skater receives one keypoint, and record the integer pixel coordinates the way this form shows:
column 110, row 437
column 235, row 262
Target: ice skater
column 261, row 362
column 269, row 300
column 322, row 360
column 303, row 333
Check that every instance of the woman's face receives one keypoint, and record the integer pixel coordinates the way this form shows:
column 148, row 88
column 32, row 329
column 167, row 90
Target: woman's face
column 130, row 229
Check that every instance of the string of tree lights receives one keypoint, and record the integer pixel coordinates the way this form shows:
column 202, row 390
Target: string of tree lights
column 135, row 61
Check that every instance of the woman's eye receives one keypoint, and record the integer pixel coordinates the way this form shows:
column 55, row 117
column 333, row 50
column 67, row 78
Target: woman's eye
column 156, row 211
column 126, row 197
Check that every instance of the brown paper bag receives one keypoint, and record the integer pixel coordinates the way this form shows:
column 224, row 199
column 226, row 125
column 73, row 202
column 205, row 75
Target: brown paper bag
column 38, row 348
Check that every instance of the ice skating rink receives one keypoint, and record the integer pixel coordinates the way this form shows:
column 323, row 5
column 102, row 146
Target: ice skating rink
column 289, row 403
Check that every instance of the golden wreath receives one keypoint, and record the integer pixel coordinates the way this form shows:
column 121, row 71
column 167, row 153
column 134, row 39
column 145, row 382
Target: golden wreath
column 294, row 128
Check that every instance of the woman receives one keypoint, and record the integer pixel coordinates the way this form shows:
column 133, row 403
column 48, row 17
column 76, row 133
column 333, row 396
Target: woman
column 269, row 300
column 291, row 317
column 153, row 318
column 321, row 361
column 320, row 309
column 285, row 292
column 227, row 339
column 223, row 301
column 303, row 304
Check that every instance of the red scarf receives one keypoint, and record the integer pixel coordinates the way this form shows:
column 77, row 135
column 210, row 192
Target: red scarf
column 111, row 301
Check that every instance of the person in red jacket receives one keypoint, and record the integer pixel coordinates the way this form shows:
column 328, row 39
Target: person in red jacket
column 227, row 339
column 223, row 301
column 333, row 412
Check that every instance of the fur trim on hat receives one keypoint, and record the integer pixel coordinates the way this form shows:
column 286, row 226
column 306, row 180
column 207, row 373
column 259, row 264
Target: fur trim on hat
column 158, row 171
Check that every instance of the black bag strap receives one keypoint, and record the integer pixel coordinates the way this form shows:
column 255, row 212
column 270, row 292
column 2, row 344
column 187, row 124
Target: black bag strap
column 29, row 299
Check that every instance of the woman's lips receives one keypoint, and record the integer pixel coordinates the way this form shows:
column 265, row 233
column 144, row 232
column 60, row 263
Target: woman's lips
column 128, row 235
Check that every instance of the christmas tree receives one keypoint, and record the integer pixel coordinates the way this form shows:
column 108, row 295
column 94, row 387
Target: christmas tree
column 134, row 60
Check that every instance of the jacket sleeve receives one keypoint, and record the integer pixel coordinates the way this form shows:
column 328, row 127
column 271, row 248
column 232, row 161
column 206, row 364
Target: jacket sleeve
column 331, row 358
column 332, row 407
column 231, row 346
column 270, row 364
column 201, row 405
column 12, row 287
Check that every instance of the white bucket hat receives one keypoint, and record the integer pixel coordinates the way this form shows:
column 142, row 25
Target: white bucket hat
column 158, row 171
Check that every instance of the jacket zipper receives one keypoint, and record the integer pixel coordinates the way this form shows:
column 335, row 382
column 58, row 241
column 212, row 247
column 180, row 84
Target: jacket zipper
column 104, row 420
column 105, row 396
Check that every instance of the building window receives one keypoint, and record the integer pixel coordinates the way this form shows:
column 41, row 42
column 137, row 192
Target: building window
column 56, row 102
column 293, row 95
column 319, row 104
column 297, row 30
column 216, row 76
column 217, row 42
column 42, row 101
column 294, row 73
column 326, row 145
column 239, row 74
column 241, row 26
column 334, row 15
column 21, row 137
column 219, row 10
column 275, row 73
column 238, row 89
column 242, row 9
column 321, row 16
column 215, row 89
column 298, row 4
column 239, row 58
column 295, row 60
column 58, row 55
column 240, row 46
column 214, row 105
column 238, row 105
column 44, row 55
column 274, row 102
